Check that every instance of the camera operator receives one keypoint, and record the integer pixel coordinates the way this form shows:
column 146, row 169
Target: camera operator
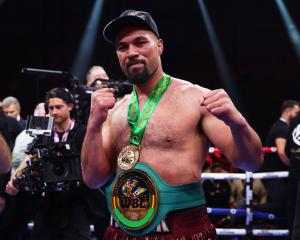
column 62, row 215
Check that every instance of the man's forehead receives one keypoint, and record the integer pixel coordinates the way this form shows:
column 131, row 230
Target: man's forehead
column 133, row 32
column 55, row 101
column 11, row 106
column 98, row 72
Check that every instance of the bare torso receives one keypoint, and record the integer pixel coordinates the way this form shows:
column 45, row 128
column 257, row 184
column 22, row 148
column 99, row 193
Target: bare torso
column 173, row 142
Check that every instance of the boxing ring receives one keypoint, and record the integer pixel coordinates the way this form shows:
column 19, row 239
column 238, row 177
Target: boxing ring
column 247, row 212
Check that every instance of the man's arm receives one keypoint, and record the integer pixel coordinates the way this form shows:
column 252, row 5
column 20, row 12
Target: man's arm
column 229, row 131
column 10, row 188
column 96, row 153
column 5, row 156
column 280, row 145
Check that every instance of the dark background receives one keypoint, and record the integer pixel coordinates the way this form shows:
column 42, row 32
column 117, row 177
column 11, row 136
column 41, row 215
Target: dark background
column 46, row 34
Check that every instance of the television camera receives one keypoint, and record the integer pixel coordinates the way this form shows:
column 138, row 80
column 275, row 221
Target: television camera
column 82, row 93
column 51, row 166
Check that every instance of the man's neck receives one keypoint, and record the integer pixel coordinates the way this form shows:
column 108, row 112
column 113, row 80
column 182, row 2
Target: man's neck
column 64, row 126
column 284, row 119
column 146, row 88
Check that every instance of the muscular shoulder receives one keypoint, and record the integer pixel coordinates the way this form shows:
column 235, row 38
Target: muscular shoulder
column 190, row 92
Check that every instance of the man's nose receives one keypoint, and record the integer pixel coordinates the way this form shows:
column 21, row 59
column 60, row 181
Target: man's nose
column 132, row 51
column 53, row 111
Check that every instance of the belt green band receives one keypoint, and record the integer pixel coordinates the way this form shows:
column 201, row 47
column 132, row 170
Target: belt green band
column 170, row 198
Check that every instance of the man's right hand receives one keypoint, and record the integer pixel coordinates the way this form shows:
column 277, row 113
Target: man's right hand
column 101, row 101
column 11, row 189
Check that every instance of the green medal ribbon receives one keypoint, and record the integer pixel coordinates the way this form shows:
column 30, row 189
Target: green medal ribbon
column 138, row 121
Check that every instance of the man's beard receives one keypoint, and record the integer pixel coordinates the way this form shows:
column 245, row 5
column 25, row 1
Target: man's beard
column 139, row 77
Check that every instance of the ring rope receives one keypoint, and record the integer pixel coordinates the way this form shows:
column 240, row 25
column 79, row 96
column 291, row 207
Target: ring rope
column 248, row 212
column 242, row 176
column 263, row 150
column 242, row 212
column 254, row 232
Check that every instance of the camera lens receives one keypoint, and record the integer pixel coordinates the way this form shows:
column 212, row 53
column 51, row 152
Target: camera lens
column 59, row 169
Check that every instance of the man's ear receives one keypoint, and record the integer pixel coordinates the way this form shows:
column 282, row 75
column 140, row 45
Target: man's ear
column 70, row 106
column 160, row 45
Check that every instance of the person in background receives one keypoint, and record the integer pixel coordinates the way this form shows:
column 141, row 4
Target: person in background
column 61, row 215
column 94, row 78
column 277, row 136
column 293, row 152
column 95, row 75
column 11, row 107
column 18, row 216
column 23, row 139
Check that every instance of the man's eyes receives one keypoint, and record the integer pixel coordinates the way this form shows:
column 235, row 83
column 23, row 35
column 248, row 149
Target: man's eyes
column 57, row 107
column 137, row 43
column 141, row 42
column 121, row 47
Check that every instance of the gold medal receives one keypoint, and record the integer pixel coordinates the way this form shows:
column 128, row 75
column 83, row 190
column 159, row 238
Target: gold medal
column 129, row 156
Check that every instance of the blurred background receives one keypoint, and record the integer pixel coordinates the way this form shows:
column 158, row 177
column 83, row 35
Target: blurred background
column 249, row 47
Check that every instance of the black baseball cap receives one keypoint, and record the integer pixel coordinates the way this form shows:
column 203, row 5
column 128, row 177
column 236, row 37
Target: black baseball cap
column 129, row 18
column 61, row 93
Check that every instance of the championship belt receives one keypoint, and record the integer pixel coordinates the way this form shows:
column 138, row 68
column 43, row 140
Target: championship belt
column 139, row 199
column 134, row 199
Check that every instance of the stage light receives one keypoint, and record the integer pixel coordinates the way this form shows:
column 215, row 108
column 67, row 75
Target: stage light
column 82, row 60
column 227, row 79
column 290, row 27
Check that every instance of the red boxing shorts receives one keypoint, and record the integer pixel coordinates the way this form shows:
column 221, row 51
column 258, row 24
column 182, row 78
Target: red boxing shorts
column 189, row 224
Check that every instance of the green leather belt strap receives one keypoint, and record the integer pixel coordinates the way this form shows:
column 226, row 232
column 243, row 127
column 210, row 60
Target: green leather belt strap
column 170, row 198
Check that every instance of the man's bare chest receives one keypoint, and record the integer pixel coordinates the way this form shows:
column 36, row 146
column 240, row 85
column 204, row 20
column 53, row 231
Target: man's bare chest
column 168, row 126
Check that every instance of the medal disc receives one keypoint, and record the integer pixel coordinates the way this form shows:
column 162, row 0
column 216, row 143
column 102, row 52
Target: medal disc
column 129, row 156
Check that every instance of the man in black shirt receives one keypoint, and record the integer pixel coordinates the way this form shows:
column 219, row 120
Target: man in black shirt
column 277, row 136
column 293, row 152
